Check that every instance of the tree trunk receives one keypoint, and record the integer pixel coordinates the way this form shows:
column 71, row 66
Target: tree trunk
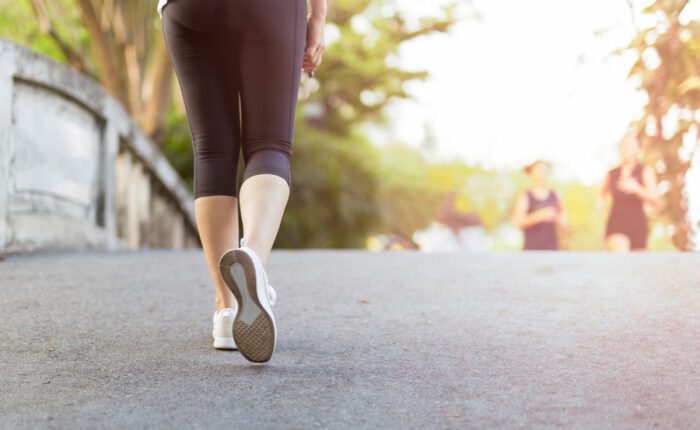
column 158, row 85
column 109, row 75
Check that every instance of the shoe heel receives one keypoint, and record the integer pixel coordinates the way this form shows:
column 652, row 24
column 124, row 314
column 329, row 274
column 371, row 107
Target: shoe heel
column 224, row 343
column 225, row 263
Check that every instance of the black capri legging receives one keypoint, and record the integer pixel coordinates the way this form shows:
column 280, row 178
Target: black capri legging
column 238, row 63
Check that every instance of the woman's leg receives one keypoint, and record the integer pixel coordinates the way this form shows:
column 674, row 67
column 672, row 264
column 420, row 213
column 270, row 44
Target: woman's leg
column 203, row 56
column 217, row 222
column 638, row 239
column 618, row 243
column 263, row 200
column 271, row 61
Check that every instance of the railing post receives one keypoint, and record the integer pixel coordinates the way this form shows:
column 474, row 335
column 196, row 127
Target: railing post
column 7, row 70
column 110, row 153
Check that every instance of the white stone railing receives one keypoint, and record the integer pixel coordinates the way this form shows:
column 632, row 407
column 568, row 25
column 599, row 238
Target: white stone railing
column 75, row 170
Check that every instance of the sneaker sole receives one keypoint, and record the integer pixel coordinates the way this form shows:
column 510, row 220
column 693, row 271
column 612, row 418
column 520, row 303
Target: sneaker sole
column 254, row 329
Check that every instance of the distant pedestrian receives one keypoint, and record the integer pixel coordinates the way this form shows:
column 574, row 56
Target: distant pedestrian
column 451, row 230
column 538, row 211
column 632, row 185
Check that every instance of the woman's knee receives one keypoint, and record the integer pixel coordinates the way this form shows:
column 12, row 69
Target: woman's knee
column 271, row 161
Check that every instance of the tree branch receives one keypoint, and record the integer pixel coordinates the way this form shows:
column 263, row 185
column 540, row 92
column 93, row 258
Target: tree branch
column 109, row 75
column 158, row 97
column 45, row 25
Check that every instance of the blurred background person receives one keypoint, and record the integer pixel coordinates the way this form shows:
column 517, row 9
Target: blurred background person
column 451, row 230
column 538, row 211
column 390, row 242
column 631, row 186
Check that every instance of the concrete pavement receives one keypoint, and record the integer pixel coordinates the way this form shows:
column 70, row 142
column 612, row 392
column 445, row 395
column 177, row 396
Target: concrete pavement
column 393, row 340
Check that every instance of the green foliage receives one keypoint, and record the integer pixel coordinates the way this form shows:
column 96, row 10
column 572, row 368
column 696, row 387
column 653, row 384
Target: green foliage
column 408, row 200
column 412, row 190
column 338, row 192
column 19, row 23
column 178, row 147
column 358, row 76
column 492, row 194
column 333, row 202
column 586, row 220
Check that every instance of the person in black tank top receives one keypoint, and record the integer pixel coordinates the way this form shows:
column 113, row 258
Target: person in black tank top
column 631, row 186
column 538, row 211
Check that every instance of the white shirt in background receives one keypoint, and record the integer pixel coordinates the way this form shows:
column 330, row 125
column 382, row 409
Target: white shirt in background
column 440, row 238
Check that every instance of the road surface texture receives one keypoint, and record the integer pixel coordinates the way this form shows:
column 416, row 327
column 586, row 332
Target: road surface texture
column 389, row 341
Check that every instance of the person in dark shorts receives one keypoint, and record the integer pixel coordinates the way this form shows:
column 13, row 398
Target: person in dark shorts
column 631, row 186
column 239, row 65
column 538, row 211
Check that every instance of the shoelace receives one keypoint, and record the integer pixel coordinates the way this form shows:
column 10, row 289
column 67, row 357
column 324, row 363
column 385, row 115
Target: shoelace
column 271, row 294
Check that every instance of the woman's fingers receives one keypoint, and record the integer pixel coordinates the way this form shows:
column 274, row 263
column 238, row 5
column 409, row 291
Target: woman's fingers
column 315, row 58
column 318, row 54
column 312, row 57
column 309, row 54
column 309, row 58
column 314, row 45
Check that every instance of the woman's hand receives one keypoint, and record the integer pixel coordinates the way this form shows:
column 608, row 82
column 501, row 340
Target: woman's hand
column 631, row 186
column 314, row 42
column 548, row 214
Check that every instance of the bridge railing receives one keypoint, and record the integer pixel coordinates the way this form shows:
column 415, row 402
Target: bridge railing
column 75, row 169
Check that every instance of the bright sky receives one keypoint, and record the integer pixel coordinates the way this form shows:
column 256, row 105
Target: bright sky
column 527, row 80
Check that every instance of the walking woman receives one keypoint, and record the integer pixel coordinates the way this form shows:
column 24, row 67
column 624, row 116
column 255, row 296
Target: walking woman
column 538, row 211
column 632, row 186
column 239, row 65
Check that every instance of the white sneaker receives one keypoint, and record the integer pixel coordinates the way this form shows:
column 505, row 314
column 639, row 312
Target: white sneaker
column 223, row 329
column 254, row 328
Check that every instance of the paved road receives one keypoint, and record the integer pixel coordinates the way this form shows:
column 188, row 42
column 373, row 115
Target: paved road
column 393, row 340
